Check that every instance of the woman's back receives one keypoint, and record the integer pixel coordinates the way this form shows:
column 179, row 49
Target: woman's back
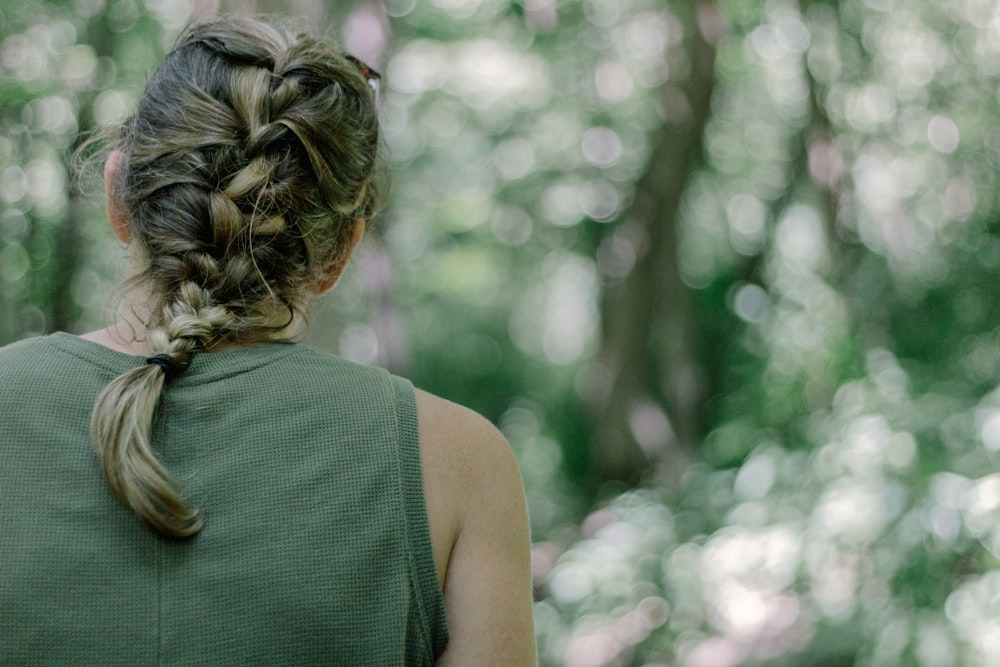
column 317, row 542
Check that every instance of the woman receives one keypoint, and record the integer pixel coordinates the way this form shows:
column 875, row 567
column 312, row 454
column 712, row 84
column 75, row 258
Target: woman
column 251, row 501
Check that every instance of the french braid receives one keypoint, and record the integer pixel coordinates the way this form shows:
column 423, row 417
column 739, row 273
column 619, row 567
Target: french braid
column 250, row 155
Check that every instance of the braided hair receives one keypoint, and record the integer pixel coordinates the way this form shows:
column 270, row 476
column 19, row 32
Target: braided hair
column 250, row 156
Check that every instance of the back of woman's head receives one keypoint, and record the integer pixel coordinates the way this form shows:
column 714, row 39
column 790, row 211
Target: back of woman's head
column 250, row 156
column 245, row 165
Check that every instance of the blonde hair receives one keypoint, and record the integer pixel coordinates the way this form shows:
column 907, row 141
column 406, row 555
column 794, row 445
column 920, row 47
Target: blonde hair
column 251, row 154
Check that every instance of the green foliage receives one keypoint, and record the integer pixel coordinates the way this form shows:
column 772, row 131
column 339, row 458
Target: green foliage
column 67, row 69
column 851, row 460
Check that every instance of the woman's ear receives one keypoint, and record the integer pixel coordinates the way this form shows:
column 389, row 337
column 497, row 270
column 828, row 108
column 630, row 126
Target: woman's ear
column 330, row 274
column 117, row 216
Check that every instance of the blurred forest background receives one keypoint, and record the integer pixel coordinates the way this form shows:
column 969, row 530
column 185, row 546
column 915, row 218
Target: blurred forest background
column 724, row 272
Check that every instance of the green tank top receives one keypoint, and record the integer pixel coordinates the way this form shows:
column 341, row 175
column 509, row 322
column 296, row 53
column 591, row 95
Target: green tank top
column 315, row 550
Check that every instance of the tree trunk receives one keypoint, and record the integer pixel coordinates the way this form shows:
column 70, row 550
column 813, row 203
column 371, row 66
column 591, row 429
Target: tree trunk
column 67, row 256
column 68, row 244
column 651, row 413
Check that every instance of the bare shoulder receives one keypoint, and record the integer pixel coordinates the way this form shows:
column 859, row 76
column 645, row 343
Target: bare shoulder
column 466, row 463
column 479, row 527
column 467, row 442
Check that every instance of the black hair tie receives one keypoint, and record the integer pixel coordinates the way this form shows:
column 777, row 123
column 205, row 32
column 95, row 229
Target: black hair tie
column 171, row 367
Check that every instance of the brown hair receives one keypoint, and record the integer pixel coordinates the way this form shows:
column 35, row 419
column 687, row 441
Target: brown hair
column 250, row 156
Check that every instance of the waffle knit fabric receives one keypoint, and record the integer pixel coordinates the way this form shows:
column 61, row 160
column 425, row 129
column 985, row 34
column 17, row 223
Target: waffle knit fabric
column 316, row 547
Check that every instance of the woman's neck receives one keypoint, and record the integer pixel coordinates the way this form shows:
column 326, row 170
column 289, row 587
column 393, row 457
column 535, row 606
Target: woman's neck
column 130, row 333
column 129, row 337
